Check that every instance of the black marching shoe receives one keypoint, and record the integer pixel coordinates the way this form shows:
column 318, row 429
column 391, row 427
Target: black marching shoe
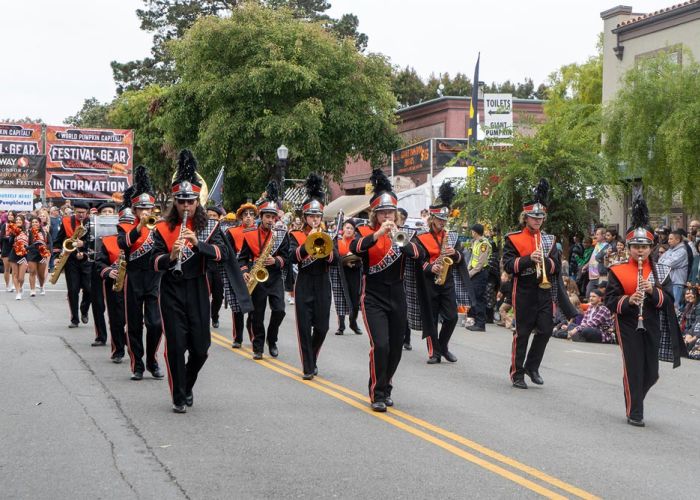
column 98, row 343
column 156, row 372
column 339, row 332
column 389, row 402
column 407, row 347
column 274, row 352
column 84, row 319
column 519, row 383
column 315, row 370
column 379, row 406
column 433, row 360
column 73, row 325
column 308, row 376
column 179, row 409
column 356, row 328
column 635, row 422
column 137, row 376
column 257, row 355
column 475, row 328
column 535, row 376
column 449, row 357
column 215, row 323
column 236, row 345
column 117, row 359
column 189, row 398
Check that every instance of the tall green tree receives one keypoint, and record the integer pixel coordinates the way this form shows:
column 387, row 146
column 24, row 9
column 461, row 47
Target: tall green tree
column 652, row 131
column 93, row 113
column 170, row 19
column 262, row 78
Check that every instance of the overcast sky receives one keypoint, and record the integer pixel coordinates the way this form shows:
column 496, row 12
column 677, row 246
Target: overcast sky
column 57, row 53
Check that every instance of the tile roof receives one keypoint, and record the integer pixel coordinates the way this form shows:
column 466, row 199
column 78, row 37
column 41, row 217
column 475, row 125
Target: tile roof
column 656, row 13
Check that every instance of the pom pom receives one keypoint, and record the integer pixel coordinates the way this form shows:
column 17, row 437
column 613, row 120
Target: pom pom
column 380, row 181
column 314, row 187
column 541, row 192
column 446, row 193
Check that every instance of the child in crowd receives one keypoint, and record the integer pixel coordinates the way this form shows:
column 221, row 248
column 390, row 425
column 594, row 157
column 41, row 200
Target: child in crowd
column 504, row 303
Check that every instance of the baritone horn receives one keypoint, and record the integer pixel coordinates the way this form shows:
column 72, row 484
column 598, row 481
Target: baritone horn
column 318, row 244
column 541, row 266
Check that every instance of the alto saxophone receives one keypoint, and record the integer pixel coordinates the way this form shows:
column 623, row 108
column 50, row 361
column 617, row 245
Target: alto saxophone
column 258, row 273
column 118, row 284
column 68, row 248
column 444, row 261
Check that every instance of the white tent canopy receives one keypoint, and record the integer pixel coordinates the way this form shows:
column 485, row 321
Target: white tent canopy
column 416, row 199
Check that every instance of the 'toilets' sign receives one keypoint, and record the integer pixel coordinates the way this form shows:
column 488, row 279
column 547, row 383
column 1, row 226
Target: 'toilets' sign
column 498, row 116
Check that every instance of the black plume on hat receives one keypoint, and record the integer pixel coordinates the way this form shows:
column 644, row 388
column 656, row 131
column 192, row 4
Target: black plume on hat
column 128, row 194
column 446, row 194
column 186, row 167
column 314, row 187
column 640, row 212
column 541, row 192
column 272, row 191
column 380, row 182
column 142, row 182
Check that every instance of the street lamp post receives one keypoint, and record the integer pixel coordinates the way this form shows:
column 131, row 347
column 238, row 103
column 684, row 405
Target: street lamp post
column 282, row 155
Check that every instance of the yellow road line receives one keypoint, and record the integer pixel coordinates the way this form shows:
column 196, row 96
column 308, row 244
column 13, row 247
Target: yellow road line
column 417, row 421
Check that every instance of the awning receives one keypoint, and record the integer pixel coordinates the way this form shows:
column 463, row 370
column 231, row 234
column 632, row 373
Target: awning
column 295, row 195
column 351, row 205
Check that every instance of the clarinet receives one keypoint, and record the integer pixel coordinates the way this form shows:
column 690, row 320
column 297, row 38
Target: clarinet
column 177, row 270
column 640, row 278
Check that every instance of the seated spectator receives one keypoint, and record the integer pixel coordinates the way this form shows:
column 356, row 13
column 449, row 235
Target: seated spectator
column 561, row 329
column 596, row 325
column 694, row 348
column 695, row 268
column 688, row 316
column 504, row 303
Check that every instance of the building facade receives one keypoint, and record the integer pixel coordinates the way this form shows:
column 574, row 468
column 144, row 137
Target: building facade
column 629, row 37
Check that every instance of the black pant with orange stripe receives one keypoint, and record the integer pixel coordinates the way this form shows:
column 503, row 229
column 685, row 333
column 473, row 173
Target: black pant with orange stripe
column 97, row 298
column 384, row 309
column 141, row 293
column 273, row 291
column 115, row 311
column 312, row 306
column 640, row 353
column 533, row 311
column 238, row 326
column 443, row 299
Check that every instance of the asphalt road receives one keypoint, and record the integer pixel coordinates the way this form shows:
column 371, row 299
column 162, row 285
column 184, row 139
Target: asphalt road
column 73, row 425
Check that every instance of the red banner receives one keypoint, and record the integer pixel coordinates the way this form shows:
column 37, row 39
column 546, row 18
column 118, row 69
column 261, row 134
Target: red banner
column 88, row 164
column 21, row 139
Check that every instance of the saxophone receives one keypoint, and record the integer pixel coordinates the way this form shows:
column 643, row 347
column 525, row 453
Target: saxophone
column 258, row 273
column 68, row 248
column 118, row 284
column 444, row 261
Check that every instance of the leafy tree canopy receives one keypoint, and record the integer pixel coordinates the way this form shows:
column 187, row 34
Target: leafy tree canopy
column 652, row 132
column 262, row 78
column 92, row 114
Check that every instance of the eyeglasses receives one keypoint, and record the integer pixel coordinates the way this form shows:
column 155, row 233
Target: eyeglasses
column 247, row 213
column 186, row 202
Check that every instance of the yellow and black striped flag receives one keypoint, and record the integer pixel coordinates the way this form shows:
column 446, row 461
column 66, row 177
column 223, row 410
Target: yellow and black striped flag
column 474, row 106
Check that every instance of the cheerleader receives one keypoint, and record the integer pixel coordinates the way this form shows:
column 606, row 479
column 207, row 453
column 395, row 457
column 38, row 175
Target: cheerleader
column 6, row 246
column 18, row 253
column 38, row 255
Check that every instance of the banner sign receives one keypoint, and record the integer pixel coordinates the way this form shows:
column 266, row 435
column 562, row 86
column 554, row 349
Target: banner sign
column 448, row 149
column 21, row 139
column 20, row 200
column 412, row 159
column 23, row 172
column 88, row 164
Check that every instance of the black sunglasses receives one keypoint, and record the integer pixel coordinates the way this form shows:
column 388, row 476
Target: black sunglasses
column 186, row 202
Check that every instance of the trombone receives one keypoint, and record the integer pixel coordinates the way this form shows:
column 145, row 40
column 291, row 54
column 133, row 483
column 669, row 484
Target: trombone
column 541, row 267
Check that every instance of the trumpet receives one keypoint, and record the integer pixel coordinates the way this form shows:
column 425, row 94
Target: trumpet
column 541, row 266
column 399, row 237
column 149, row 221
column 177, row 270
column 318, row 244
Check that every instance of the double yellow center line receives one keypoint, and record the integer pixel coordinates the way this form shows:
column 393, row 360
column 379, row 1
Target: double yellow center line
column 426, row 431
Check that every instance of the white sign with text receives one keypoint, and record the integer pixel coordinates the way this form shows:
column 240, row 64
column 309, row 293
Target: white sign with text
column 498, row 116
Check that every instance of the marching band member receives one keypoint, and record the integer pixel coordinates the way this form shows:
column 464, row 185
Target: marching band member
column 142, row 281
column 346, row 279
column 246, row 213
column 183, row 243
column 313, row 287
column 107, row 262
column 640, row 295
column 38, row 255
column 255, row 241
column 18, row 253
column 383, row 298
column 213, row 275
column 435, row 281
column 97, row 292
column 531, row 256
column 77, row 269
column 409, row 272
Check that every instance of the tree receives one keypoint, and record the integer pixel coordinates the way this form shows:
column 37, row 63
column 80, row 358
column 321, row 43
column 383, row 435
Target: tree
column 262, row 78
column 170, row 19
column 407, row 86
column 92, row 114
column 652, row 131
column 141, row 110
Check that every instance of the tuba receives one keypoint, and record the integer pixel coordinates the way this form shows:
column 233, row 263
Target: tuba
column 541, row 266
column 69, row 246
